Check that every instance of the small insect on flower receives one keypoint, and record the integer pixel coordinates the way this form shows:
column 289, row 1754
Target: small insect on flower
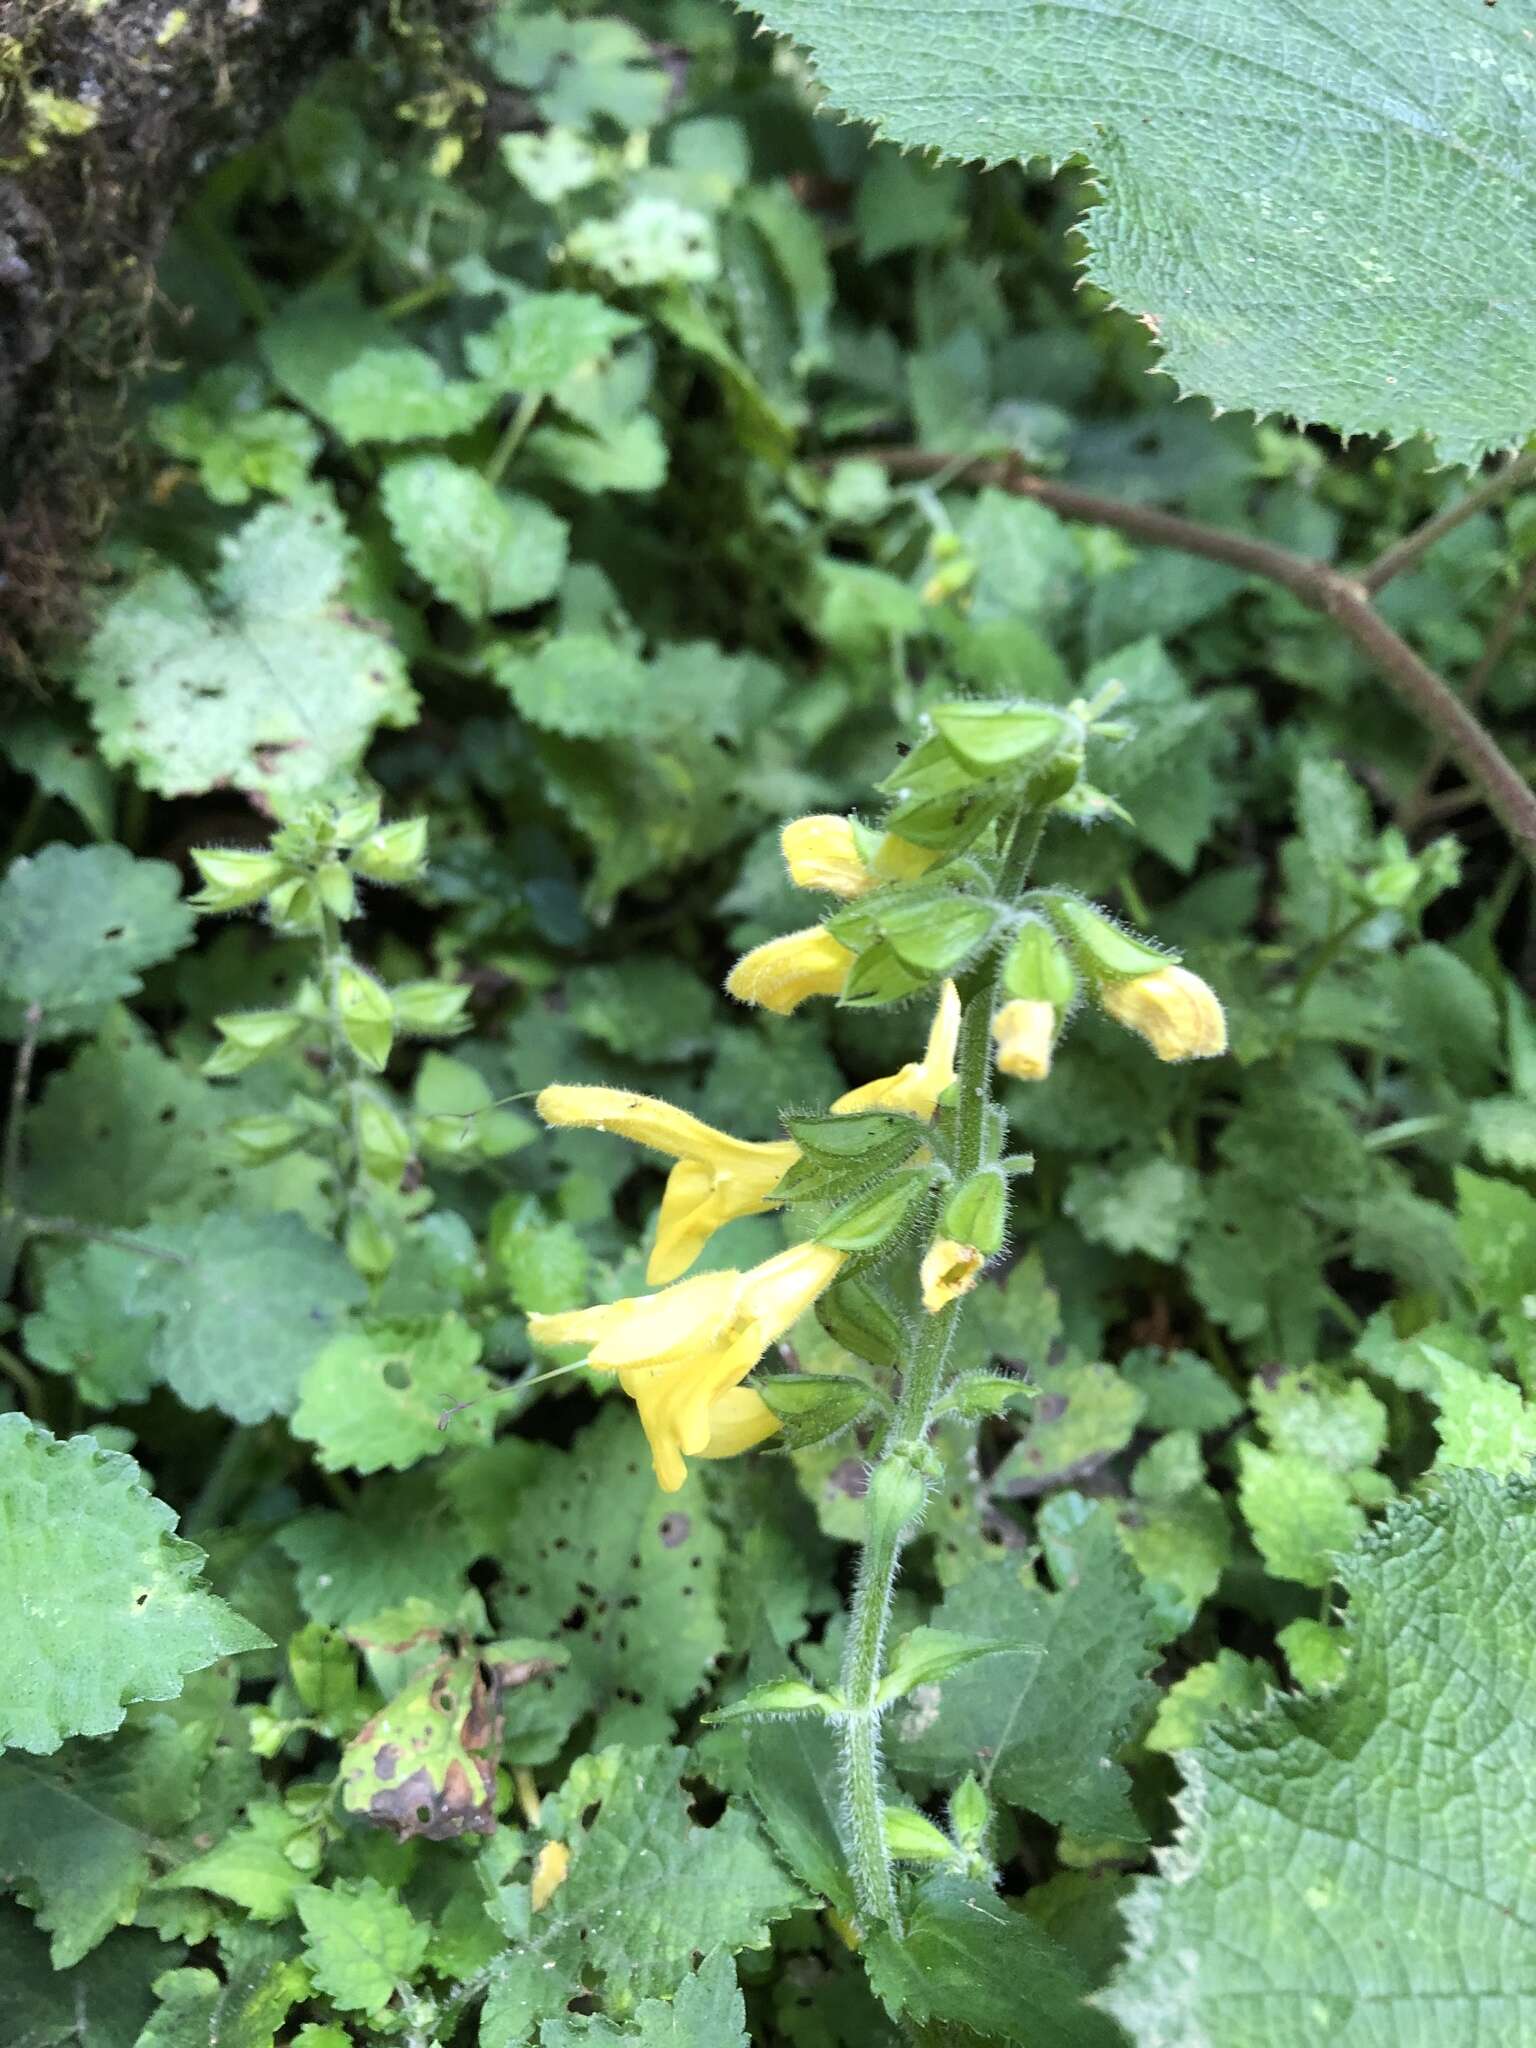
column 948, row 1271
column 780, row 974
column 1025, row 1032
column 823, row 852
column 680, row 1352
column 717, row 1178
column 1176, row 1012
column 919, row 1084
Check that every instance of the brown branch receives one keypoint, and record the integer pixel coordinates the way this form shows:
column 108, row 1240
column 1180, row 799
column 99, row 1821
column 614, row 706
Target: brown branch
column 1404, row 553
column 1338, row 596
column 1417, row 805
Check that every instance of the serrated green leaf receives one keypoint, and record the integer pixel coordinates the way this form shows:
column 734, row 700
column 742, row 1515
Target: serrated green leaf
column 361, row 1942
column 480, row 549
column 1226, row 1684
column 398, row 393
column 1416, row 144
column 706, row 2012
column 268, row 680
column 99, row 1601
column 591, row 1518
column 1375, row 1836
column 394, row 1393
column 647, row 1890
column 1301, row 1514
column 77, row 926
column 105, row 2000
column 1147, row 1206
column 970, row 1967
column 87, row 1328
column 545, row 337
column 1084, row 1414
column 245, row 1306
column 245, row 2009
column 1038, row 1724
column 405, row 1542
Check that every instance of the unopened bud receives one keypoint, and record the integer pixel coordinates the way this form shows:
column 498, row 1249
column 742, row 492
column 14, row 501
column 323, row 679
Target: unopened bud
column 383, row 1142
column 394, row 853
column 430, row 1009
column 977, row 1211
column 232, row 881
column 259, row 1138
column 249, row 1036
column 366, row 1013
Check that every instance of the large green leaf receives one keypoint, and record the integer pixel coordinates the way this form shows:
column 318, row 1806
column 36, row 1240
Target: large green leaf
column 1317, row 211
column 99, row 1600
column 1356, row 1869
column 77, row 926
column 268, row 679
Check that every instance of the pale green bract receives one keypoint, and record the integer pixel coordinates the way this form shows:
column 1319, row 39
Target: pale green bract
column 1356, row 1869
column 1325, row 212
column 99, row 1600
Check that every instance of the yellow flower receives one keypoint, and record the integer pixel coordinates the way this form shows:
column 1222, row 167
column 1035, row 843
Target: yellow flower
column 781, row 974
column 550, row 1869
column 679, row 1352
column 1173, row 1010
column 1025, row 1032
column 717, row 1177
column 948, row 1271
column 917, row 1088
column 822, row 852
column 738, row 1420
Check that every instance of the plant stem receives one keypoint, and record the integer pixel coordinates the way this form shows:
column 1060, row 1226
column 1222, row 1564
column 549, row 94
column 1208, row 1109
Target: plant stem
column 346, row 1067
column 512, row 435
column 1403, row 553
column 13, row 1227
column 921, row 1386
column 1336, row 595
column 1415, row 806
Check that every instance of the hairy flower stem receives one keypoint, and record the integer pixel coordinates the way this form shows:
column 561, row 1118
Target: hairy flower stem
column 346, row 1067
column 922, row 1383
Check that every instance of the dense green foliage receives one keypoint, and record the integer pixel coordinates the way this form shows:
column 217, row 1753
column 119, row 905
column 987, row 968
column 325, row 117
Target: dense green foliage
column 510, row 564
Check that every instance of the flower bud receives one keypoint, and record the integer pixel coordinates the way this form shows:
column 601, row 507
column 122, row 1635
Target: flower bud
column 355, row 820
column 821, row 853
column 431, row 1009
column 977, row 1210
column 865, row 1222
column 968, row 1813
column 259, row 1138
column 231, row 881
column 949, row 1269
column 369, row 1245
column 992, row 738
column 383, row 1141
column 911, row 1837
column 395, row 853
column 780, row 975
column 1025, row 1033
column 1173, row 1010
column 896, row 1494
column 333, row 886
column 294, row 905
column 1037, row 968
column 249, row 1036
column 1106, row 950
column 366, row 1014
column 811, row 1406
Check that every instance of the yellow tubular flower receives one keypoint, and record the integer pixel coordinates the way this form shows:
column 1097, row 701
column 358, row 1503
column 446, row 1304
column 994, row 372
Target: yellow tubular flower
column 780, row 975
column 738, row 1421
column 550, row 1869
column 1025, row 1032
column 717, row 1178
column 917, row 1088
column 821, row 853
column 1173, row 1010
column 680, row 1352
column 948, row 1271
